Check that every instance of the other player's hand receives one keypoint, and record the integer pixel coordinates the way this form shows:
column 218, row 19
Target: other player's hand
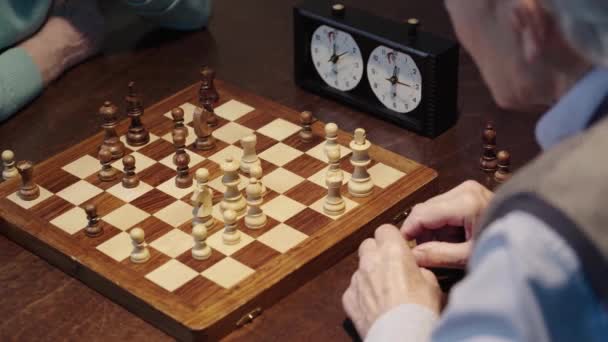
column 436, row 225
column 387, row 277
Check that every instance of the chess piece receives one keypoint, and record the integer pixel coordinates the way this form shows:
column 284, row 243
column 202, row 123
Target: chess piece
column 503, row 173
column 200, row 250
column 204, row 139
column 29, row 190
column 181, row 159
column 255, row 217
column 250, row 156
column 360, row 183
column 334, row 203
column 233, row 199
column 93, row 228
column 488, row 162
column 208, row 95
column 140, row 253
column 130, row 180
column 231, row 235
column 137, row 135
column 255, row 171
column 107, row 172
column 306, row 120
column 177, row 114
column 8, row 160
column 333, row 159
column 331, row 137
column 109, row 115
column 202, row 199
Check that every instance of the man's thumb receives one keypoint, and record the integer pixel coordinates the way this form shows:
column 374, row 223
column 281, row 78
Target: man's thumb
column 435, row 254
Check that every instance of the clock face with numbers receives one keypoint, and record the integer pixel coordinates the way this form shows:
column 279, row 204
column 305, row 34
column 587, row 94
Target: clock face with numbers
column 395, row 79
column 337, row 58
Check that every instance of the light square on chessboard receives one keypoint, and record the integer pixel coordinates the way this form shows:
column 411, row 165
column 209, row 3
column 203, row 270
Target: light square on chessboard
column 175, row 214
column 44, row 195
column 173, row 243
column 306, row 192
column 105, row 203
column 308, row 221
column 280, row 154
column 153, row 138
column 71, row 221
column 156, row 174
column 55, row 180
column 229, row 151
column 125, row 217
column 153, row 228
column 255, row 255
column 232, row 110
column 188, row 109
column 384, row 175
column 51, row 208
column 255, row 233
column 129, row 195
column 171, row 189
column 190, row 138
column 118, row 247
column 158, row 149
column 217, row 184
column 156, row 260
column 318, row 206
column 141, row 162
column 282, row 238
column 171, row 275
column 282, row 208
column 199, row 290
column 83, row 166
column 279, row 129
column 262, row 143
column 153, row 201
column 227, row 272
column 194, row 159
column 319, row 152
column 216, row 242
column 108, row 232
column 231, row 132
column 296, row 142
column 281, row 180
column 79, row 192
column 105, row 185
column 361, row 200
column 256, row 119
column 320, row 177
column 305, row 166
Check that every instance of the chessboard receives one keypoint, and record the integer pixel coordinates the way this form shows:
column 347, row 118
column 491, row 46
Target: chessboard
column 194, row 299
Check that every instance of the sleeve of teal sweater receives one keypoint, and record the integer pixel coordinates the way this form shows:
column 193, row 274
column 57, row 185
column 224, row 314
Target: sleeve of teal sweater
column 20, row 18
column 174, row 14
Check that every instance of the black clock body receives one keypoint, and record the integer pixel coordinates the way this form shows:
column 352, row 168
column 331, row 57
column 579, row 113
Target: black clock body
column 436, row 58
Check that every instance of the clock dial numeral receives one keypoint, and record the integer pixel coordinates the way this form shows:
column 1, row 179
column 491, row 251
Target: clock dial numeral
column 395, row 79
column 337, row 58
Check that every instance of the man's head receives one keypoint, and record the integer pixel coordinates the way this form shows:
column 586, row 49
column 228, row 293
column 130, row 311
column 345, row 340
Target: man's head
column 531, row 51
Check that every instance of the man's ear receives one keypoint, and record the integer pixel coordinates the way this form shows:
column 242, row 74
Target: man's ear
column 532, row 23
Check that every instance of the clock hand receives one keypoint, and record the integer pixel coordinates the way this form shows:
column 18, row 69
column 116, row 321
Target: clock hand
column 394, row 80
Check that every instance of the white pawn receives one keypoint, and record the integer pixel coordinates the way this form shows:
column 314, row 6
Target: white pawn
column 202, row 199
column 334, row 203
column 333, row 158
column 360, row 183
column 249, row 155
column 256, row 172
column 140, row 253
column 331, row 138
column 200, row 250
column 231, row 235
column 233, row 199
column 255, row 217
column 8, row 160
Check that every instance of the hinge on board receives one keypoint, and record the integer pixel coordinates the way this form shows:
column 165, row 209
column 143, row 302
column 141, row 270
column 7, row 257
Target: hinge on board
column 249, row 317
column 401, row 216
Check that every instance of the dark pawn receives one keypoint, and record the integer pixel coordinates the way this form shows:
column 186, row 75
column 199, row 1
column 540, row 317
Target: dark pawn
column 137, row 135
column 130, row 179
column 181, row 159
column 93, row 228
column 107, row 172
column 504, row 167
column 306, row 131
column 178, row 120
column 108, row 113
column 488, row 162
column 29, row 190
column 208, row 95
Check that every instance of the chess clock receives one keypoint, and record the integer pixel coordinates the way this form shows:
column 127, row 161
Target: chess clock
column 383, row 67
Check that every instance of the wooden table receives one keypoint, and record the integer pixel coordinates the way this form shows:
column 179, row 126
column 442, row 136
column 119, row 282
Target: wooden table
column 249, row 44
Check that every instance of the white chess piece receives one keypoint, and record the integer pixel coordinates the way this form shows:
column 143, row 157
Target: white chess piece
column 140, row 253
column 360, row 183
column 231, row 235
column 334, row 203
column 255, row 217
column 250, row 156
column 256, row 172
column 202, row 199
column 331, row 138
column 200, row 250
column 8, row 160
column 333, row 158
column 233, row 199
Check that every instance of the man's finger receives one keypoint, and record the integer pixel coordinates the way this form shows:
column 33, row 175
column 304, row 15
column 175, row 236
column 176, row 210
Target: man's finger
column 367, row 246
column 442, row 254
column 386, row 234
column 434, row 216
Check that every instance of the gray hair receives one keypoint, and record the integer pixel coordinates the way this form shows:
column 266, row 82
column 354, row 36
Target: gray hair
column 585, row 26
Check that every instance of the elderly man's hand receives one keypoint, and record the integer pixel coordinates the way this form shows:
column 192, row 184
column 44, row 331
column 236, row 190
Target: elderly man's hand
column 387, row 277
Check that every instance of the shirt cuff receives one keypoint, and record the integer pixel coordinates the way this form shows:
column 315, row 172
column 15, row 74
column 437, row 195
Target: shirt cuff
column 20, row 81
column 407, row 322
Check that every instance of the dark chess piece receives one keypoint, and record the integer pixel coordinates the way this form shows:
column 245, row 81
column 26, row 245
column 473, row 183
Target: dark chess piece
column 137, row 135
column 93, row 228
column 108, row 113
column 107, row 172
column 306, row 120
column 208, row 95
column 178, row 120
column 29, row 190
column 204, row 140
column 130, row 179
column 488, row 162
column 181, row 159
column 504, row 167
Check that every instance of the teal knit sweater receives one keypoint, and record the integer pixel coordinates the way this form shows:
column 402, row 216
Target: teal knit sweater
column 20, row 79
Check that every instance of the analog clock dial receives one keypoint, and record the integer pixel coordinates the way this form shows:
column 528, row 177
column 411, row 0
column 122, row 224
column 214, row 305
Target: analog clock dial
column 395, row 79
column 336, row 57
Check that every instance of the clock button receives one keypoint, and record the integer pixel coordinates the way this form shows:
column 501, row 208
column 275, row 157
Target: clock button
column 337, row 10
column 412, row 27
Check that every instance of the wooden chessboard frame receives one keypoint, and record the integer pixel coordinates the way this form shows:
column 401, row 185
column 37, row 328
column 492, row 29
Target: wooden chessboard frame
column 281, row 275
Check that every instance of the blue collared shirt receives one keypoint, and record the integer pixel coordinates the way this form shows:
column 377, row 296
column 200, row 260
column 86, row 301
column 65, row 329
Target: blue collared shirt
column 525, row 283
